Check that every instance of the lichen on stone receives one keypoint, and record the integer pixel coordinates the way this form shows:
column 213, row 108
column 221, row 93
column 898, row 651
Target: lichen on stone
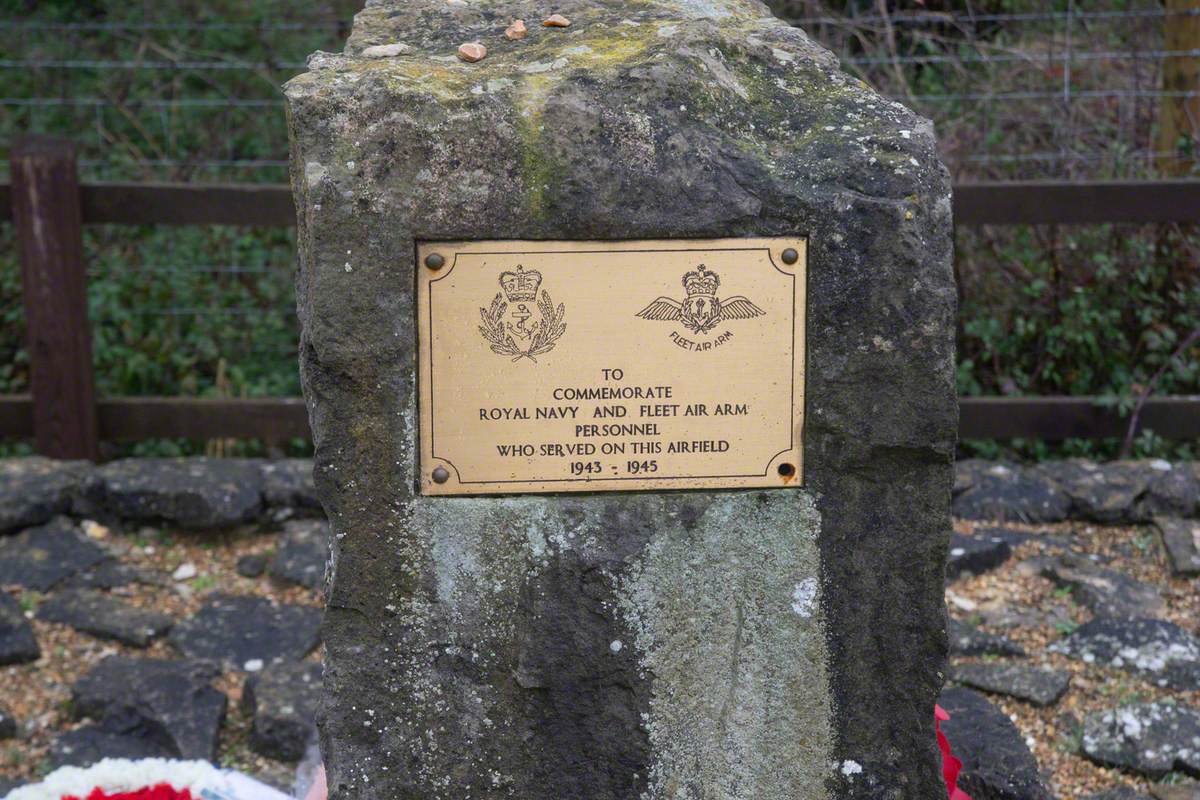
column 740, row 706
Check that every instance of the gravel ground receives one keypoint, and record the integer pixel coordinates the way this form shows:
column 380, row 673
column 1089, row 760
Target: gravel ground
column 1052, row 733
column 39, row 694
column 1038, row 614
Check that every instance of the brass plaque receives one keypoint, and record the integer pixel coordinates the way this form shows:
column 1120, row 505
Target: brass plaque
column 554, row 366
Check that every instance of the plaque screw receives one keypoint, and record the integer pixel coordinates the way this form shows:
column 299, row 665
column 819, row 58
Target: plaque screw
column 435, row 261
column 790, row 256
column 787, row 470
column 441, row 474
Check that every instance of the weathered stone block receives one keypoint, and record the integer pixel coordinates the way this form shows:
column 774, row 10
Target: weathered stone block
column 1159, row 651
column 1151, row 738
column 1003, row 492
column 17, row 642
column 1041, row 687
column 302, row 553
column 1181, row 539
column 35, row 489
column 189, row 492
column 996, row 761
column 164, row 705
column 239, row 630
column 283, row 701
column 105, row 617
column 8, row 724
column 727, row 645
column 289, row 483
column 40, row 558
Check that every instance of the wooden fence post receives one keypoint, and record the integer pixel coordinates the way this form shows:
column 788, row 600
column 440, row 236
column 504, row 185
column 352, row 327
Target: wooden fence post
column 1179, row 114
column 46, row 212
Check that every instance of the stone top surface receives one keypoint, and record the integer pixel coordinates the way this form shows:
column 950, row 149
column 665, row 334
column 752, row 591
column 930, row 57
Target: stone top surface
column 741, row 55
column 434, row 25
column 600, row 34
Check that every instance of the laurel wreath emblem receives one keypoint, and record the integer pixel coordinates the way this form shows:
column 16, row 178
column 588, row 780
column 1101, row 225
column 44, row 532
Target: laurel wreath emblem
column 545, row 333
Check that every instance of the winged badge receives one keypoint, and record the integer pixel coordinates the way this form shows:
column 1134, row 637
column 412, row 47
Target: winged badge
column 701, row 310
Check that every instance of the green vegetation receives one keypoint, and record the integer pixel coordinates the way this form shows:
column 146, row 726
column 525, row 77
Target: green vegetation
column 1079, row 311
column 185, row 91
column 188, row 91
column 1016, row 91
column 29, row 601
column 1066, row 627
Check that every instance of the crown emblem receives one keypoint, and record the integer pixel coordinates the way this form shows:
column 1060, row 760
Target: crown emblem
column 521, row 286
column 701, row 280
column 522, row 321
column 701, row 310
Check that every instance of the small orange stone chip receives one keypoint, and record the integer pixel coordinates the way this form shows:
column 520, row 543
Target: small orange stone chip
column 472, row 52
column 557, row 21
column 517, row 30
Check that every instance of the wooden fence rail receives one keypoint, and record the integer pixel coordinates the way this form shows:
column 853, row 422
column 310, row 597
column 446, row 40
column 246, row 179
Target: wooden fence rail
column 49, row 206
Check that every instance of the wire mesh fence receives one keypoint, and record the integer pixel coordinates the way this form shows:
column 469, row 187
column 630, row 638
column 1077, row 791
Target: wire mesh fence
column 1018, row 89
column 175, row 91
column 1054, row 90
column 185, row 91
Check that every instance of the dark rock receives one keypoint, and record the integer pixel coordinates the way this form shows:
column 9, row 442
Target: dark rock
column 1107, row 493
column 1011, row 536
column 34, row 489
column 1161, row 651
column 113, row 738
column 997, row 765
column 289, row 483
column 1150, row 738
column 1173, row 491
column 283, row 702
column 109, row 574
column 1007, row 493
column 968, row 472
column 8, row 724
column 302, row 553
column 189, row 492
column 1041, row 687
column 975, row 555
column 8, row 784
column 1015, row 538
column 38, row 558
column 1010, row 615
column 1176, row 791
column 105, row 617
column 236, row 630
column 1181, row 540
column 1036, row 566
column 252, row 565
column 17, row 642
column 1107, row 592
column 1119, row 793
column 171, row 702
column 967, row 640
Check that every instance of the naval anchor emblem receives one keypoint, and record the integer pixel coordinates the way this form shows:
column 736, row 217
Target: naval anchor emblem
column 701, row 310
column 522, row 321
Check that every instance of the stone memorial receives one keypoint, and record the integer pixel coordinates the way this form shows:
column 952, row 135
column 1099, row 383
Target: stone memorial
column 627, row 341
